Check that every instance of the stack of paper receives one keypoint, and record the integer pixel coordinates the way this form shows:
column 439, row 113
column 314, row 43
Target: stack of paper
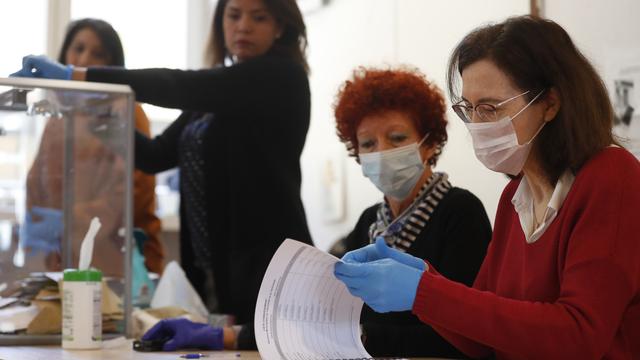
column 303, row 311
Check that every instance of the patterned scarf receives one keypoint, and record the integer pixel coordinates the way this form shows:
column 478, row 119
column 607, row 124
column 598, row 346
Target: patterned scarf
column 400, row 233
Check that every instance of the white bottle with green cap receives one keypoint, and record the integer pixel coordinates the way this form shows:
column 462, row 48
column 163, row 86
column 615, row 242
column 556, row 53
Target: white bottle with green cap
column 82, row 309
column 82, row 299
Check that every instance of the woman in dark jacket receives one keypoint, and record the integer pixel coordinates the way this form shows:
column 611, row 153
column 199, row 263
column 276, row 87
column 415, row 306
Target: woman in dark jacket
column 393, row 121
column 237, row 144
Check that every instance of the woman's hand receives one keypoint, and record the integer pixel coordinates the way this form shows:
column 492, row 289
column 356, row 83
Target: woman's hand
column 181, row 333
column 40, row 66
column 384, row 278
column 362, row 255
column 385, row 285
column 387, row 252
column 42, row 229
column 380, row 250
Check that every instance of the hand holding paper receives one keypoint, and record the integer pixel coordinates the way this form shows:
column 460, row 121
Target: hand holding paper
column 385, row 285
column 384, row 278
column 380, row 250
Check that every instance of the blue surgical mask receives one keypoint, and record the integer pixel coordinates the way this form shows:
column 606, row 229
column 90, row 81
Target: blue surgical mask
column 395, row 172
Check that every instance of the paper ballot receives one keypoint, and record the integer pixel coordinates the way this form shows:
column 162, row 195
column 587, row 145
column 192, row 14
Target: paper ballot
column 304, row 312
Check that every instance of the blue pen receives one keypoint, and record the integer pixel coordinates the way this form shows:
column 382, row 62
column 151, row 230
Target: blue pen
column 193, row 356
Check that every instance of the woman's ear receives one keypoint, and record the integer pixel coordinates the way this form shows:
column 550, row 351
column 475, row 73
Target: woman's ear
column 552, row 101
column 279, row 31
column 427, row 151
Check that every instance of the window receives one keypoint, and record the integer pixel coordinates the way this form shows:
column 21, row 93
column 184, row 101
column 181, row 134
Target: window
column 23, row 25
column 153, row 34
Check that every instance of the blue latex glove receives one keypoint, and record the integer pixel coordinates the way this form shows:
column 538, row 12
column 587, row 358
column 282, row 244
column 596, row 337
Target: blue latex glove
column 182, row 333
column 42, row 229
column 40, row 66
column 363, row 255
column 380, row 250
column 387, row 252
column 385, row 284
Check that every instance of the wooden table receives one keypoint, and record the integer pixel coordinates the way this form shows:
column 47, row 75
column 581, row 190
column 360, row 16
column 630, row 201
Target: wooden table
column 124, row 352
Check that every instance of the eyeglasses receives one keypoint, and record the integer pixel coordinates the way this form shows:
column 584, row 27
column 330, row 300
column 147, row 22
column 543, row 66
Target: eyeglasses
column 485, row 112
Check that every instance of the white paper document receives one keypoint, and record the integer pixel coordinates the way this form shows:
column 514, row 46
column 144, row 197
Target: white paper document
column 303, row 312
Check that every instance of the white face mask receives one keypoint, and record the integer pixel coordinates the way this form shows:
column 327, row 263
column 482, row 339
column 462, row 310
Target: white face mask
column 496, row 144
column 395, row 172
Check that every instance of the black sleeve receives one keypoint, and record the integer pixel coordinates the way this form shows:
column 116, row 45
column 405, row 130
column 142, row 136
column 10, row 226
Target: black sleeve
column 359, row 236
column 160, row 153
column 409, row 340
column 468, row 232
column 247, row 338
column 259, row 82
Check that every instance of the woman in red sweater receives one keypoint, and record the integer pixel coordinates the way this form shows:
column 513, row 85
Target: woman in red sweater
column 562, row 274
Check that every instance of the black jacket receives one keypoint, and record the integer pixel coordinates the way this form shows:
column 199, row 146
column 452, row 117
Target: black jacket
column 455, row 242
column 261, row 113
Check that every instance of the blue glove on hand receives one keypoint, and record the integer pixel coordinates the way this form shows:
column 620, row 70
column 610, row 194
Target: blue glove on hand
column 42, row 229
column 41, row 66
column 363, row 255
column 380, row 250
column 385, row 285
column 387, row 252
column 182, row 333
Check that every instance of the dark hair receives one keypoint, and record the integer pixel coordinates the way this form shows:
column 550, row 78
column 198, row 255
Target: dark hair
column 105, row 32
column 292, row 43
column 406, row 90
column 538, row 54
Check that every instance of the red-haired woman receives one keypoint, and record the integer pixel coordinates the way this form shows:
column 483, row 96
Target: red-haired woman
column 393, row 122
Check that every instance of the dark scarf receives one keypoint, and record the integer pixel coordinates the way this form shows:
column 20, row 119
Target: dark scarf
column 192, row 182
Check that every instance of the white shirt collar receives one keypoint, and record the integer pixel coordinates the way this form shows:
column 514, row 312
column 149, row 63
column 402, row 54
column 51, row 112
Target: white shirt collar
column 523, row 204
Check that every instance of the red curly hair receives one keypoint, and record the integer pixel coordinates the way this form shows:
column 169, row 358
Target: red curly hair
column 374, row 91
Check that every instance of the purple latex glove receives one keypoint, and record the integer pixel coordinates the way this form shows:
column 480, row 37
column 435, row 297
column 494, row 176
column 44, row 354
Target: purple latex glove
column 183, row 333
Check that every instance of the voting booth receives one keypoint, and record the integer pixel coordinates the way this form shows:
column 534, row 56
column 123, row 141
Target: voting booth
column 65, row 158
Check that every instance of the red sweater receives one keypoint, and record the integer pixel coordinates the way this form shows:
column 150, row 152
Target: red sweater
column 573, row 294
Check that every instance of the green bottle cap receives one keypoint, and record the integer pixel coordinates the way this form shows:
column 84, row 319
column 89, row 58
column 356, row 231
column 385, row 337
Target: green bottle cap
column 82, row 275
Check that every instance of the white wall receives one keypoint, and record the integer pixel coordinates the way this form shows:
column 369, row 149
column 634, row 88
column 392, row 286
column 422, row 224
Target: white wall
column 346, row 34
column 350, row 33
column 603, row 30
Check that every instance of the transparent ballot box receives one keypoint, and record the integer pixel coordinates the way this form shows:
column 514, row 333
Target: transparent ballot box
column 65, row 158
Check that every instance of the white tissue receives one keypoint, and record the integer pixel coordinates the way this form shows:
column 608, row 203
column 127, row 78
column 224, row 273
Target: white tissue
column 86, row 249
column 174, row 289
column 16, row 318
